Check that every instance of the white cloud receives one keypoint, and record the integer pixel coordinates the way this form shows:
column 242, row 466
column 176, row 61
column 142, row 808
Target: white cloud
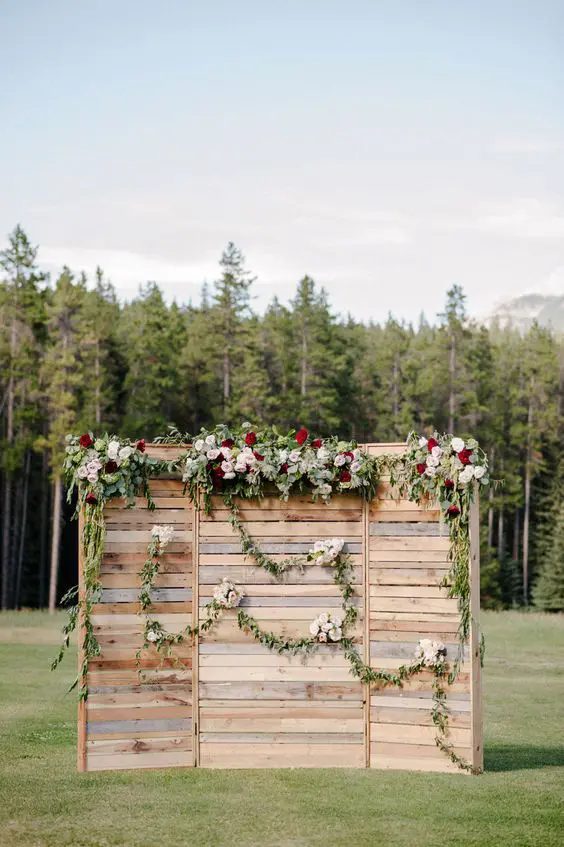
column 526, row 217
column 528, row 146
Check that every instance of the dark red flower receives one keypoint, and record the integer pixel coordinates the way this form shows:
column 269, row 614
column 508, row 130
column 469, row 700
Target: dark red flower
column 453, row 511
column 432, row 442
column 301, row 435
column 284, row 468
column 85, row 440
column 251, row 438
column 141, row 445
column 111, row 466
column 258, row 456
column 449, row 483
column 464, row 456
column 317, row 443
column 228, row 442
column 91, row 499
column 349, row 454
column 218, row 472
column 421, row 468
column 345, row 476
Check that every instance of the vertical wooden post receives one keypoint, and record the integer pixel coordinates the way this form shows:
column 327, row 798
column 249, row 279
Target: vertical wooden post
column 366, row 608
column 195, row 638
column 475, row 665
column 81, row 759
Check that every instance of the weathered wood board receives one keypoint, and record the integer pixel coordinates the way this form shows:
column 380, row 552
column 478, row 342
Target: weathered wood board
column 228, row 702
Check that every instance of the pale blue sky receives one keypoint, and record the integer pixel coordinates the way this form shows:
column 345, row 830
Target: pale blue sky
column 388, row 149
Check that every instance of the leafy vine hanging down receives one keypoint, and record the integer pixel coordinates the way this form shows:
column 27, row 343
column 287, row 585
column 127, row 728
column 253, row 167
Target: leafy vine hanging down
column 99, row 469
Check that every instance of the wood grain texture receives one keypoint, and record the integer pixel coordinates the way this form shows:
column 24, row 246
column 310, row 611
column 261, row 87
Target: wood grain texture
column 226, row 701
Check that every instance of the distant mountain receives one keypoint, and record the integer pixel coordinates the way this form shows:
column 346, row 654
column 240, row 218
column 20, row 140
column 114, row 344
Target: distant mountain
column 546, row 309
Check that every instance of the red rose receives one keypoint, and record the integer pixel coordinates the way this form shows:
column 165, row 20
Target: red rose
column 284, row 467
column 453, row 511
column 464, row 456
column 251, row 438
column 218, row 472
column 349, row 455
column 421, row 468
column 345, row 476
column 141, row 445
column 449, row 483
column 301, row 435
column 432, row 442
column 91, row 499
column 258, row 456
column 111, row 466
column 317, row 443
column 85, row 441
column 228, row 443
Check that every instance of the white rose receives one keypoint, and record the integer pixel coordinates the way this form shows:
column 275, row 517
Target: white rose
column 113, row 450
column 92, row 477
column 337, row 621
column 457, row 445
column 226, row 452
column 125, row 452
column 323, row 454
column 340, row 460
column 313, row 628
column 336, row 634
column 323, row 618
column 431, row 472
column 294, row 456
column 466, row 475
column 432, row 462
column 152, row 636
column 227, row 467
column 213, row 453
column 479, row 471
column 210, row 439
column 356, row 466
column 422, row 442
column 327, row 627
column 437, row 452
column 199, row 445
column 229, row 475
column 82, row 472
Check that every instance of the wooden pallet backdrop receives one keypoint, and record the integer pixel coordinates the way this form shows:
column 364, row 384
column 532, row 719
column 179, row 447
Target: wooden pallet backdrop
column 233, row 703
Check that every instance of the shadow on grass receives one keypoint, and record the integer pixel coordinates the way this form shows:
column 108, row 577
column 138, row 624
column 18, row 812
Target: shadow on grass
column 516, row 757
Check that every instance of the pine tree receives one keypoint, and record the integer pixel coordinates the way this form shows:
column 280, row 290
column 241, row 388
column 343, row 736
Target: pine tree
column 231, row 305
column 548, row 592
column 21, row 326
column 62, row 377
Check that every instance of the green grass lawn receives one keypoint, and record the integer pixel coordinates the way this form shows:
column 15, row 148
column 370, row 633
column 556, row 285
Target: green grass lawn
column 519, row 801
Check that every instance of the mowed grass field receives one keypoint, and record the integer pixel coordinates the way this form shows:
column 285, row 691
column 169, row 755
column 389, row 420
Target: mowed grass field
column 519, row 801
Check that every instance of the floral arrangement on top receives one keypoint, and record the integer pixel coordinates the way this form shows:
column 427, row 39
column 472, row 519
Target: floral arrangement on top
column 440, row 468
column 106, row 467
column 241, row 461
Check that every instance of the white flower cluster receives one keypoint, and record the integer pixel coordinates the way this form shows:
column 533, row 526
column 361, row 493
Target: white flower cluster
column 227, row 595
column 325, row 552
column 90, row 469
column 163, row 535
column 430, row 653
column 453, row 459
column 326, row 627
column 152, row 635
column 96, row 456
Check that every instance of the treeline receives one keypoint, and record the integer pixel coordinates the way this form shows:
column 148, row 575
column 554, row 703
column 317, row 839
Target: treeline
column 73, row 358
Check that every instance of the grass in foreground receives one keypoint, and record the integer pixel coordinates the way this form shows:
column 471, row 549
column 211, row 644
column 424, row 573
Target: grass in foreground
column 44, row 802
